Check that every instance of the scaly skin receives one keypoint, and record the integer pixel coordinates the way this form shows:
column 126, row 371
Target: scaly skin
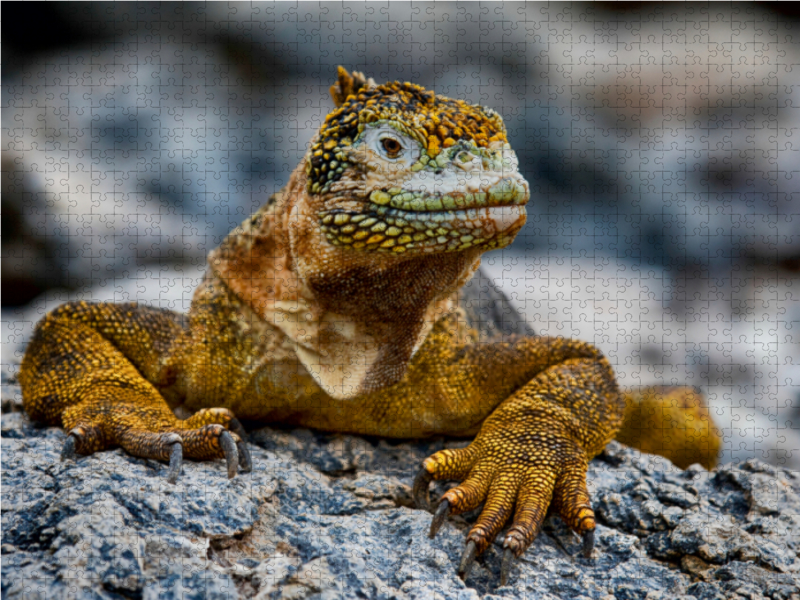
column 336, row 306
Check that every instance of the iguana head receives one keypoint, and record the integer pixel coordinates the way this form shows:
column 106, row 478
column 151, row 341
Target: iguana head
column 364, row 249
column 398, row 170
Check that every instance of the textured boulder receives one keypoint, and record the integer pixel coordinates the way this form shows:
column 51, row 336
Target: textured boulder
column 330, row 516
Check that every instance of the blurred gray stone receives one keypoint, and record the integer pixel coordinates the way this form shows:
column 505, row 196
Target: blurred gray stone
column 128, row 154
column 330, row 516
column 108, row 178
column 151, row 147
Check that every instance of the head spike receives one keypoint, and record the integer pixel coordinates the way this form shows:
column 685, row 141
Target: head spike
column 348, row 84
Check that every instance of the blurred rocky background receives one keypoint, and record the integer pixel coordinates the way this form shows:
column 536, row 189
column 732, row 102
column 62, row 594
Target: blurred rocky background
column 661, row 142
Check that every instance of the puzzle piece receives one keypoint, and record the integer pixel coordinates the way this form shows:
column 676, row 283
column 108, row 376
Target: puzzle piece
column 658, row 144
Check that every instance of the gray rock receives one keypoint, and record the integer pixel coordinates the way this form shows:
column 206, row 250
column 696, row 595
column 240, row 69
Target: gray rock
column 330, row 516
column 137, row 178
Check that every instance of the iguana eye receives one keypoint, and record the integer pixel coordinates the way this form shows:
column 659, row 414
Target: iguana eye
column 391, row 147
column 388, row 145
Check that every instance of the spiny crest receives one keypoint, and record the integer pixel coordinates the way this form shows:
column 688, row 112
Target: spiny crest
column 437, row 122
column 348, row 84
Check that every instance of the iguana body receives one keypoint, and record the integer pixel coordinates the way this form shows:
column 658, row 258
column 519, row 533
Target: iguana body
column 336, row 306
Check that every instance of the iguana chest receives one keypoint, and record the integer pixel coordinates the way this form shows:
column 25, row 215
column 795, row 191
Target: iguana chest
column 231, row 357
column 251, row 367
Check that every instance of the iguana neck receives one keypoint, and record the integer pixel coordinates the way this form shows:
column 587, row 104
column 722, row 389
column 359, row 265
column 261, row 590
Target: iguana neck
column 355, row 319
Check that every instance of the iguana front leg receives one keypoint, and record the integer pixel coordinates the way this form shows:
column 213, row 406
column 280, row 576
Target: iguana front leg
column 94, row 368
column 533, row 450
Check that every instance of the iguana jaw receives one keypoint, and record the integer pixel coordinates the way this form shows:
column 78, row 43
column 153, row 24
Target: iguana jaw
column 468, row 197
column 398, row 231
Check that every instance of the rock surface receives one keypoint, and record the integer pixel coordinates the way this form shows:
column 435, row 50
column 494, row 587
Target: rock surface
column 330, row 516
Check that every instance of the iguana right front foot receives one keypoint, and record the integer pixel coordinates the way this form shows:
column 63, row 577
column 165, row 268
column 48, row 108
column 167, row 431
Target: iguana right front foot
column 79, row 378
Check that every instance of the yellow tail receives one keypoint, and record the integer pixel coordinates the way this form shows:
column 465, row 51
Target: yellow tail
column 671, row 421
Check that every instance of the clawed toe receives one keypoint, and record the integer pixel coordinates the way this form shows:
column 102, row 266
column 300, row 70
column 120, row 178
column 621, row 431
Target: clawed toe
column 175, row 444
column 588, row 543
column 231, row 453
column 69, row 450
column 229, row 444
column 81, row 439
column 470, row 552
column 245, row 460
column 508, row 561
column 442, row 512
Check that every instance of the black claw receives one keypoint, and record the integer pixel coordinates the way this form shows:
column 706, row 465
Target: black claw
column 245, row 461
column 508, row 562
column 68, row 451
column 439, row 517
column 420, row 493
column 231, row 453
column 588, row 543
column 175, row 462
column 470, row 552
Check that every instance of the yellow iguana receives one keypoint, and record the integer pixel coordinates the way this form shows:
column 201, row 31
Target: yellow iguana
column 336, row 306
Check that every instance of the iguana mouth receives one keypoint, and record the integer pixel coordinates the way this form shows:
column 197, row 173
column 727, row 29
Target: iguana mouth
column 505, row 191
column 399, row 221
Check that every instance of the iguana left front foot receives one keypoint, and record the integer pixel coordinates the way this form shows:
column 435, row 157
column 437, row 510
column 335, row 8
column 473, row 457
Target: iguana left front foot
column 531, row 453
column 521, row 483
column 515, row 484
